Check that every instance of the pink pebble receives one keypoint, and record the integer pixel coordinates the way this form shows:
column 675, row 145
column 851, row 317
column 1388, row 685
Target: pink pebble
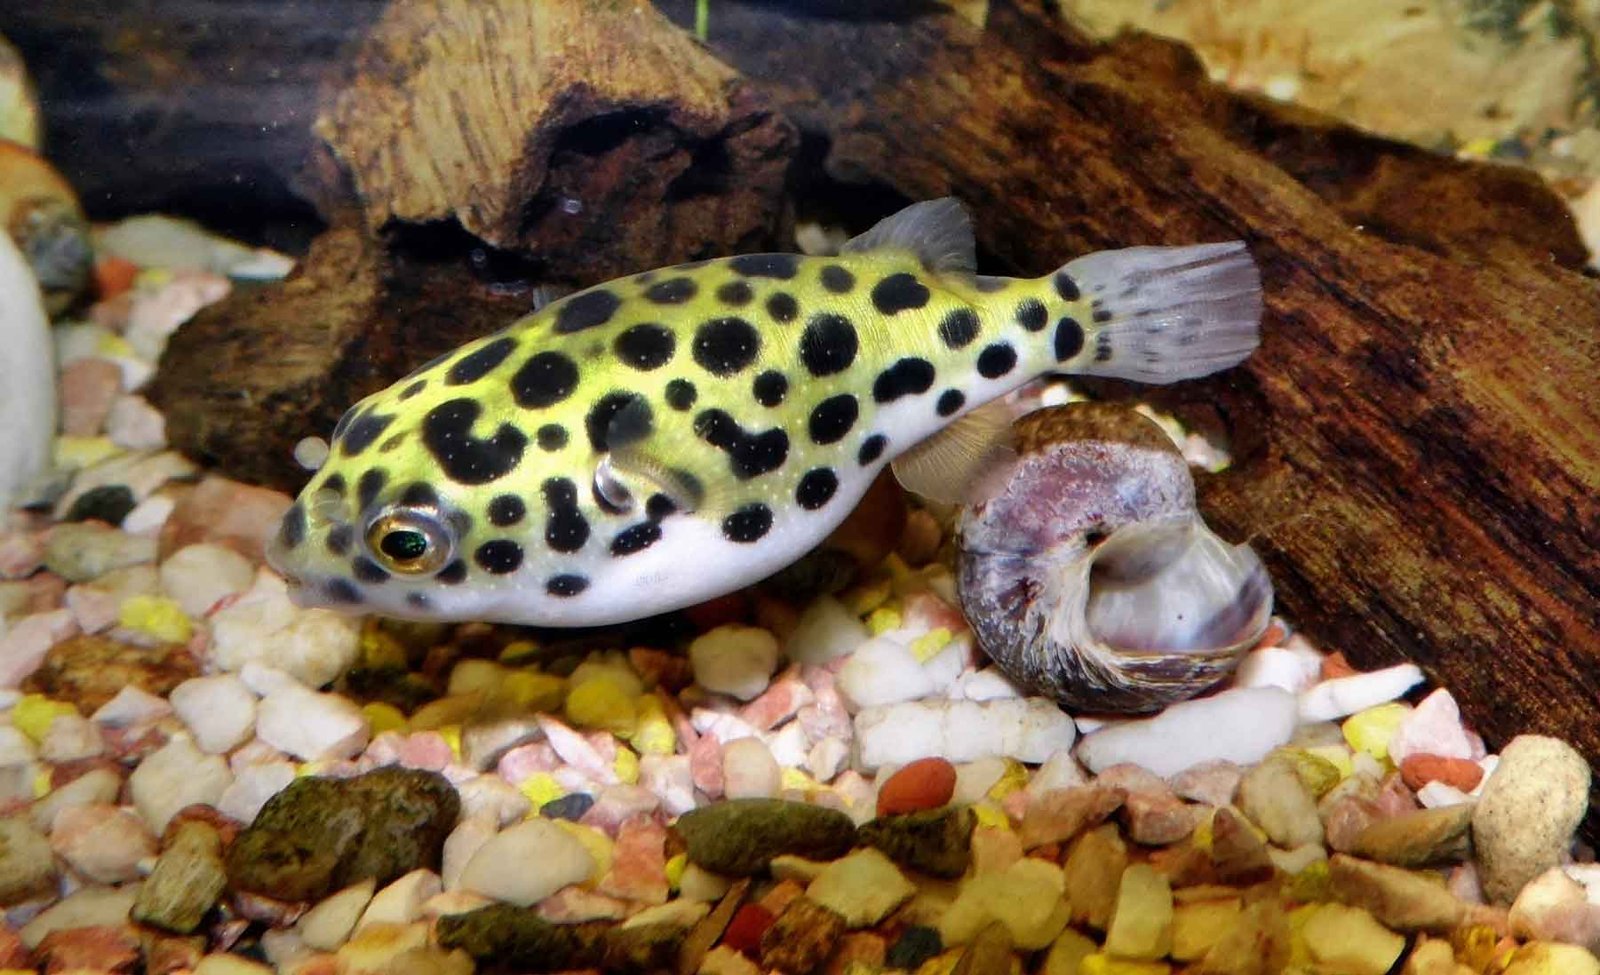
column 778, row 703
column 574, row 905
column 522, row 761
column 93, row 609
column 705, row 765
column 1395, row 797
column 639, row 862
column 1433, row 727
column 240, row 516
column 576, row 750
column 615, row 805
column 88, row 388
column 21, row 554
column 25, row 643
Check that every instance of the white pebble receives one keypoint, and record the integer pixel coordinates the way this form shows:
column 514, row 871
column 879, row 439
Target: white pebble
column 789, row 745
column 493, row 796
column 198, row 576
column 401, row 902
column 149, row 515
column 883, row 671
column 825, row 630
column 527, row 863
column 86, row 907
column 71, row 737
column 1240, row 725
column 1433, row 727
column 975, row 779
column 133, row 424
column 1060, row 771
column 735, row 660
column 1027, row 729
column 1344, row 696
column 219, row 711
column 328, row 925
column 1284, row 667
column 827, row 758
column 315, row 645
column 132, row 706
column 749, row 770
column 176, row 775
column 988, row 684
column 1437, row 794
column 671, row 778
column 99, row 785
column 252, row 786
column 102, row 842
column 16, row 748
column 463, row 843
column 312, row 726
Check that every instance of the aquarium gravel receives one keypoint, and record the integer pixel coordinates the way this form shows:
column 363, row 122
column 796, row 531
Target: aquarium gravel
column 200, row 776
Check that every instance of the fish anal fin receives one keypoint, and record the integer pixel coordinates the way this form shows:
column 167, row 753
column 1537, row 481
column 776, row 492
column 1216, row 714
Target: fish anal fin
column 964, row 462
column 938, row 231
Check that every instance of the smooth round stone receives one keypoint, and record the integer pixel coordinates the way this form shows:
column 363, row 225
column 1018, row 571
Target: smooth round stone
column 527, row 863
column 926, row 783
column 571, row 806
column 1525, row 818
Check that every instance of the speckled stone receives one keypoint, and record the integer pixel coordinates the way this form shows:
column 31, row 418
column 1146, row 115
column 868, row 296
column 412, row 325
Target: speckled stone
column 518, row 939
column 187, row 880
column 740, row 837
column 1526, row 815
column 936, row 842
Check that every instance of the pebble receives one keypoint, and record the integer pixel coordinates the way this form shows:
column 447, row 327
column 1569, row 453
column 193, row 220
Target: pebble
column 1275, row 798
column 187, row 880
column 401, row 902
column 1554, row 907
column 219, row 711
column 109, row 503
column 27, row 864
column 1027, row 729
column 239, row 516
column 734, row 660
column 133, row 424
column 85, row 551
column 174, row 776
column 1293, row 669
column 252, row 786
column 1347, row 695
column 315, row 646
column 1060, row 815
column 937, row 842
column 1433, row 728
column 71, row 738
column 88, row 387
column 86, row 907
column 1026, row 899
column 97, row 785
column 749, row 770
column 1141, row 921
column 1424, row 837
column 1513, row 847
column 1240, row 725
column 740, row 837
column 883, row 671
column 1461, row 774
column 102, row 842
column 923, row 784
column 1402, row 900
column 802, row 938
column 825, row 631
column 201, row 575
column 312, row 726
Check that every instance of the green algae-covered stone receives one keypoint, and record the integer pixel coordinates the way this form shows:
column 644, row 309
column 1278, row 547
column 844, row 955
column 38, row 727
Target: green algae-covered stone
column 319, row 834
column 935, row 841
column 187, row 880
column 740, row 837
column 516, row 938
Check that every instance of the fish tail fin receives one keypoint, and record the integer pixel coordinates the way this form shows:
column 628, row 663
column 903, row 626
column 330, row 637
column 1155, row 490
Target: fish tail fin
column 1159, row 314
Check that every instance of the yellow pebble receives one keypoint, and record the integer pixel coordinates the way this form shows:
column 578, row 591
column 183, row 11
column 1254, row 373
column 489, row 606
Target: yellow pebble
column 928, row 645
column 676, row 865
column 540, row 788
column 35, row 713
column 883, row 619
column 1200, row 839
column 868, row 596
column 1313, row 884
column 626, row 766
column 518, row 652
column 1316, row 772
column 308, row 769
column 451, row 733
column 1103, row 964
column 384, row 717
column 1013, row 778
column 156, row 617
column 793, row 778
column 1370, row 730
column 600, row 703
column 380, row 648
column 152, row 277
column 989, row 814
column 114, row 346
column 597, row 843
column 73, row 453
column 653, row 735
column 41, row 783
column 1336, row 755
column 534, row 690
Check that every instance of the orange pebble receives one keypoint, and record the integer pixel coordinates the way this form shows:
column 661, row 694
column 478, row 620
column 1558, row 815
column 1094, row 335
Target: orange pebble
column 1462, row 773
column 926, row 783
column 113, row 276
column 1334, row 665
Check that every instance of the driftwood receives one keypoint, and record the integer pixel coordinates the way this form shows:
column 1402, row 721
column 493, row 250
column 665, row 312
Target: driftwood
column 1417, row 442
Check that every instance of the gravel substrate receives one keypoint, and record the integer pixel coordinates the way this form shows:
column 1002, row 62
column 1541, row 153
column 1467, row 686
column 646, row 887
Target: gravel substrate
column 198, row 776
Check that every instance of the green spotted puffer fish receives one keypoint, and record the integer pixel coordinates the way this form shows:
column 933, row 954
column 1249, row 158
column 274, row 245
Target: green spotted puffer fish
column 669, row 437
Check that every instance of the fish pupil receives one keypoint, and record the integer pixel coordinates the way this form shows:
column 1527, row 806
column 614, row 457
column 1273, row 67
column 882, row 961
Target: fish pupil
column 404, row 545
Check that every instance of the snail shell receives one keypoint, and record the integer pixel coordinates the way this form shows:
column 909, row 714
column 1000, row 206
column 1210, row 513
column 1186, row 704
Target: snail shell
column 1091, row 578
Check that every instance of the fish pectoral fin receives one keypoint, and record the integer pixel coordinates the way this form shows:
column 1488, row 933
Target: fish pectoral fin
column 964, row 462
column 938, row 231
column 639, row 475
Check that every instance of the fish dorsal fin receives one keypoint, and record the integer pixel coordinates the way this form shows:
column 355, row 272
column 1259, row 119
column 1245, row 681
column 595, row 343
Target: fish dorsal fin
column 961, row 463
column 938, row 231
column 547, row 294
column 634, row 467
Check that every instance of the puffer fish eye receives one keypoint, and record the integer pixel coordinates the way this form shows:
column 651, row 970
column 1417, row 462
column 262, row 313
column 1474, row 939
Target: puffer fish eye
column 410, row 541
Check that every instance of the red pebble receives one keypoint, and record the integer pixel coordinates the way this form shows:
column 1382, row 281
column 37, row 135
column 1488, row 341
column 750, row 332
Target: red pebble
column 744, row 932
column 1462, row 773
column 927, row 783
column 113, row 276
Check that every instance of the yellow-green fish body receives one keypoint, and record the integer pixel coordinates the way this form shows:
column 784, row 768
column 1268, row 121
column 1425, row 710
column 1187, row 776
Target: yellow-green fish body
column 672, row 436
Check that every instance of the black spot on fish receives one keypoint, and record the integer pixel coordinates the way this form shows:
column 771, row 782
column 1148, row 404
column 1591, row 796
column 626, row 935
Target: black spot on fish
column 370, row 483
column 781, row 266
column 735, row 293
column 506, row 509
column 339, row 539
column 832, row 418
column 959, row 328
column 681, row 394
column 544, row 380
column 1101, row 316
column 659, row 506
column 364, row 431
column 636, row 538
column 645, row 347
column 748, row 524
column 950, row 402
column 770, row 388
column 1102, row 347
column 475, row 365
column 749, row 454
column 782, row 307
column 413, row 389
column 334, row 483
column 673, row 291
column 342, row 591
column 598, row 422
column 871, row 449
column 586, row 310
column 1065, row 286
column 453, row 574
column 551, row 437
column 1032, row 315
column 828, row 345
column 899, row 292
column 1069, row 338
column 368, row 571
column 499, row 556
column 996, row 360
column 906, row 377
column 837, row 280
column 565, row 530
column 725, row 346
column 816, row 488
column 465, row 459
column 566, row 585
column 419, row 495
column 292, row 531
